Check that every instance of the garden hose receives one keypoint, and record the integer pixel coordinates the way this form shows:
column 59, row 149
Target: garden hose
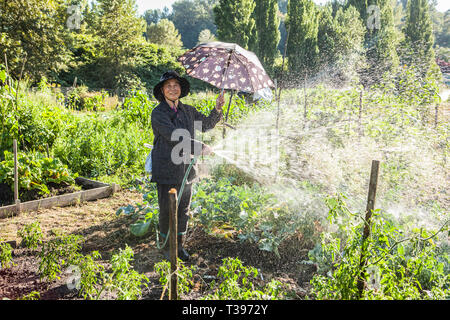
column 158, row 245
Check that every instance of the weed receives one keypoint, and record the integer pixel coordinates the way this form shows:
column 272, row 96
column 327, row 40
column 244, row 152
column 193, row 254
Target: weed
column 31, row 235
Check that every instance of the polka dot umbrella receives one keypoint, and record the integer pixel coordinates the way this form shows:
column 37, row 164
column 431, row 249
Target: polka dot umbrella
column 226, row 66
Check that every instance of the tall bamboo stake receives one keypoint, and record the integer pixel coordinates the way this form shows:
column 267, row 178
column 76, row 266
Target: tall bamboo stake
column 16, row 177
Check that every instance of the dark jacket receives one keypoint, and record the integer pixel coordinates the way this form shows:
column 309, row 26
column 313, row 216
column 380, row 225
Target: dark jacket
column 164, row 122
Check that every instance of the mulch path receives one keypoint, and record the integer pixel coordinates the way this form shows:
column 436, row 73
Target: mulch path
column 105, row 232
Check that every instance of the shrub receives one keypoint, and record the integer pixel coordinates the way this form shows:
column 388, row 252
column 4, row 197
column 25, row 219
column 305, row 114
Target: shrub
column 31, row 235
column 238, row 282
column 5, row 254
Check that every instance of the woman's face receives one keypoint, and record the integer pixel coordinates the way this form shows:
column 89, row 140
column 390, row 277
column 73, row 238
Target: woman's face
column 171, row 89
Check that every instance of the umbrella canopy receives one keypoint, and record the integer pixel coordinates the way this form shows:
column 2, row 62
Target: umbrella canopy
column 226, row 66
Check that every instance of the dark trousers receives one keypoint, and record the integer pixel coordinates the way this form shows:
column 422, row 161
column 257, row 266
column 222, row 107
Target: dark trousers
column 183, row 207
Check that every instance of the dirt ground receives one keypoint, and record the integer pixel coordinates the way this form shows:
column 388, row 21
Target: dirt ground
column 103, row 231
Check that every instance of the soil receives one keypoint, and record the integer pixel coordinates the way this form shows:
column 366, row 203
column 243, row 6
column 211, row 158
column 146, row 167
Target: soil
column 7, row 194
column 105, row 232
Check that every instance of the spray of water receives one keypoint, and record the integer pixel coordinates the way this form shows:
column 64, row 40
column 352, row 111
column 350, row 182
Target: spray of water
column 302, row 161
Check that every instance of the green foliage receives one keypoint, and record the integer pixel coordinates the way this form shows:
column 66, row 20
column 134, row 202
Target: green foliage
column 90, row 274
column 5, row 254
column 302, row 48
column 340, row 43
column 36, row 172
column 235, row 22
column 33, row 119
column 57, row 254
column 380, row 40
column 33, row 295
column 267, row 22
column 419, row 40
column 249, row 211
column 190, row 17
column 138, row 108
column 80, row 99
column 145, row 213
column 239, row 282
column 123, row 279
column 164, row 33
column 95, row 145
column 408, row 268
column 36, row 31
column 31, row 235
column 184, row 274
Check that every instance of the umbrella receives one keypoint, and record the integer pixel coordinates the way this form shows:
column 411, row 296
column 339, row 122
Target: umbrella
column 226, row 66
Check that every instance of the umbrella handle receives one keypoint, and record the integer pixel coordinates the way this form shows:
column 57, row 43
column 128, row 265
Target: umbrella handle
column 225, row 71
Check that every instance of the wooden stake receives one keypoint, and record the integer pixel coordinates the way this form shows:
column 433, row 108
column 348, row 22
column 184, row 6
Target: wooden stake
column 173, row 231
column 360, row 112
column 16, row 177
column 436, row 116
column 369, row 210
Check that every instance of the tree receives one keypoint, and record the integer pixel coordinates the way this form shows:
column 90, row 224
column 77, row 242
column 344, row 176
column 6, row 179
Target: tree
column 267, row 24
column 419, row 39
column 190, row 17
column 120, row 31
column 155, row 15
column 380, row 39
column 340, row 43
column 206, row 36
column 165, row 33
column 36, row 31
column 302, row 46
column 235, row 22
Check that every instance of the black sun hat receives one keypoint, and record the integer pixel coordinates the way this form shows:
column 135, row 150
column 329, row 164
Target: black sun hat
column 184, row 84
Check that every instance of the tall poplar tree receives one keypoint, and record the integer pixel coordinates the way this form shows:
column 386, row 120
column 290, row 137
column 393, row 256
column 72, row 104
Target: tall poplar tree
column 267, row 25
column 120, row 32
column 419, row 39
column 380, row 39
column 235, row 22
column 302, row 46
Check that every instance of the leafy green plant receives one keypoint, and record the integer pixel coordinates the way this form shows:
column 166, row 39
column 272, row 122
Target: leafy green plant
column 185, row 276
column 5, row 254
column 253, row 213
column 137, row 107
column 408, row 268
column 92, row 279
column 123, row 279
column 90, row 275
column 57, row 254
column 238, row 282
column 103, row 144
column 33, row 295
column 31, row 235
column 36, row 172
column 145, row 213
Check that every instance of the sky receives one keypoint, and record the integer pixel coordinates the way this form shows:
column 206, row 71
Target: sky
column 143, row 5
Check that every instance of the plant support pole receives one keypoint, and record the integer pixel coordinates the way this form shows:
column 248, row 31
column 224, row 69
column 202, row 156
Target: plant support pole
column 366, row 233
column 173, row 221
column 16, row 177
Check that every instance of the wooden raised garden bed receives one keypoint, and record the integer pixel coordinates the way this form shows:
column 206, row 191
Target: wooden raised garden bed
column 93, row 190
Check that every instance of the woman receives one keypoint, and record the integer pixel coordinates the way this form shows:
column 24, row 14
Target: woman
column 167, row 171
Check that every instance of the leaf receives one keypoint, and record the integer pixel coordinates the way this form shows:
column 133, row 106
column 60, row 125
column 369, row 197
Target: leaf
column 2, row 75
column 139, row 229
